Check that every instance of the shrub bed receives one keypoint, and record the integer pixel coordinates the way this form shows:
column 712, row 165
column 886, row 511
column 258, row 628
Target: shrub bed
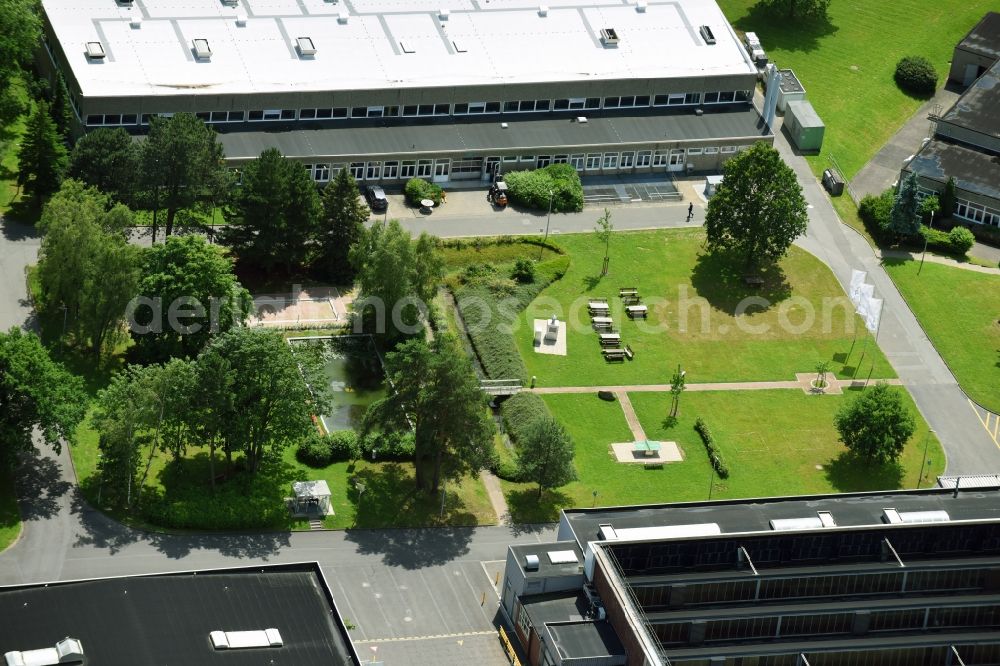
column 531, row 188
column 417, row 189
column 520, row 411
column 232, row 507
column 874, row 211
column 957, row 241
column 714, row 454
column 916, row 74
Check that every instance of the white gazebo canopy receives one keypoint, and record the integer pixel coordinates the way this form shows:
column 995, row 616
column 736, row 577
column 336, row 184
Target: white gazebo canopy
column 309, row 494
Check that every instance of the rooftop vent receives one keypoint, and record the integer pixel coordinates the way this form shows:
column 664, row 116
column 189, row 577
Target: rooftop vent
column 543, row 10
column 581, row 119
column 230, row 3
column 305, row 46
column 443, row 13
column 241, row 19
column 504, row 125
column 609, row 36
column 894, row 517
column 342, row 17
column 135, row 20
column 68, row 650
column 640, row 6
column 201, row 48
column 95, row 51
column 707, row 34
column 531, row 562
column 238, row 640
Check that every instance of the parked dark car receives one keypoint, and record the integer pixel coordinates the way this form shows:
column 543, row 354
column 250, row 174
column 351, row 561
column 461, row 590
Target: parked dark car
column 375, row 196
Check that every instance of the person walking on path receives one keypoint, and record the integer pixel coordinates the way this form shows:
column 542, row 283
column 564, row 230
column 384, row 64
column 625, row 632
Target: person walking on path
column 690, row 211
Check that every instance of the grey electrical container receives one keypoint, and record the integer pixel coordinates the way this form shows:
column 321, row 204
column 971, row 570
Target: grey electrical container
column 803, row 125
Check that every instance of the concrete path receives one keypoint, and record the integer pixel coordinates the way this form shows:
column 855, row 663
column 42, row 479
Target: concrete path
column 495, row 493
column 944, row 405
column 938, row 259
column 638, row 434
column 19, row 245
column 709, row 386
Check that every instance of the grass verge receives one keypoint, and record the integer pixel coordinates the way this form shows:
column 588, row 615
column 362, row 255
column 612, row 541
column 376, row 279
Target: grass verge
column 960, row 311
column 775, row 442
column 10, row 518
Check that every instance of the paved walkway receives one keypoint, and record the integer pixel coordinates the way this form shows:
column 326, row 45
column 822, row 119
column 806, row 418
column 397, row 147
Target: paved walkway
column 706, row 386
column 938, row 259
column 638, row 434
column 495, row 493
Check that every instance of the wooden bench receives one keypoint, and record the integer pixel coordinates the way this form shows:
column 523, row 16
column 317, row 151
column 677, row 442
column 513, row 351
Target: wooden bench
column 753, row 281
column 629, row 354
column 628, row 291
column 613, row 354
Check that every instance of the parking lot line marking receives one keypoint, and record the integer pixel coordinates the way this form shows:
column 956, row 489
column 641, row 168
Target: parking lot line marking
column 427, row 638
column 489, row 578
column 986, row 423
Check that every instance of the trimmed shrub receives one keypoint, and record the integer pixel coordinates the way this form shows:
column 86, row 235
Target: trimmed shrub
column 417, row 189
column 394, row 446
column 961, row 240
column 531, row 188
column 344, row 445
column 314, row 450
column 523, row 271
column 505, row 464
column 875, row 212
column 714, row 454
column 916, row 74
column 520, row 411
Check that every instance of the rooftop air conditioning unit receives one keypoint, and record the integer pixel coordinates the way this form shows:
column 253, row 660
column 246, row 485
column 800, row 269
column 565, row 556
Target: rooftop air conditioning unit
column 444, row 13
column 640, row 6
column 201, row 48
column 531, row 562
column 305, row 46
column 241, row 19
column 135, row 20
column 543, row 10
column 609, row 36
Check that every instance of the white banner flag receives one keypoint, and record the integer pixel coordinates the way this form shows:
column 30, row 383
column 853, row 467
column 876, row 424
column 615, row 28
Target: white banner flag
column 857, row 279
column 873, row 312
column 865, row 292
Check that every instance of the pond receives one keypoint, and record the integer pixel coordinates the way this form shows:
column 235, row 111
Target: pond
column 356, row 378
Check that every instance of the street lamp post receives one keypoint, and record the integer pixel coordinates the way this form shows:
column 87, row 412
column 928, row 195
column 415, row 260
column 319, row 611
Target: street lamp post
column 927, row 441
column 547, row 218
column 361, row 491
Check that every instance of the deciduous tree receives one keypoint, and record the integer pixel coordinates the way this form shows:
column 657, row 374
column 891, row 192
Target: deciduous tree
column 603, row 231
column 798, row 9
column 41, row 158
column 20, row 36
column 35, row 392
column 876, row 425
column 546, row 455
column 342, row 224
column 194, row 279
column 182, row 165
column 435, row 390
column 757, row 210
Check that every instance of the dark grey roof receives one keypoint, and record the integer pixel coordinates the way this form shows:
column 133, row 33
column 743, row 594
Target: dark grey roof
column 973, row 170
column 555, row 607
column 984, row 38
column 546, row 569
column 788, row 82
column 459, row 136
column 165, row 619
column 977, row 108
column 753, row 515
column 580, row 640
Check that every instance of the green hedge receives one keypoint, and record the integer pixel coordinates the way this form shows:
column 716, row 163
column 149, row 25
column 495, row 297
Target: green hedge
column 520, row 411
column 318, row 450
column 505, row 464
column 531, row 188
column 714, row 454
column 417, row 189
column 957, row 241
column 874, row 211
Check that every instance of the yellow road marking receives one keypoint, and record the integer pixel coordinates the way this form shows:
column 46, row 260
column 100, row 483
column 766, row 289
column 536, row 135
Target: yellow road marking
column 990, row 416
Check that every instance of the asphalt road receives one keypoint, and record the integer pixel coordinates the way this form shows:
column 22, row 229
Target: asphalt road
column 18, row 248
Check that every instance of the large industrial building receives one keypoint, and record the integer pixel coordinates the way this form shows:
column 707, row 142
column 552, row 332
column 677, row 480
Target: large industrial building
column 859, row 579
column 445, row 90
column 270, row 615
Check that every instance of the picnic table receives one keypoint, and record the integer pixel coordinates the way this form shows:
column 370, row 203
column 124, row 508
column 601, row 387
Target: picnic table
column 647, row 448
column 613, row 354
column 597, row 303
column 602, row 323
column 634, row 311
column 631, row 300
column 610, row 339
column 628, row 291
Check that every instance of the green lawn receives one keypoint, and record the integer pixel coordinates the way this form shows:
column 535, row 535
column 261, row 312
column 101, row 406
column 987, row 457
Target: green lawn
column 10, row 137
column 776, row 443
column 846, row 66
column 960, row 311
column 486, row 251
column 10, row 519
column 666, row 267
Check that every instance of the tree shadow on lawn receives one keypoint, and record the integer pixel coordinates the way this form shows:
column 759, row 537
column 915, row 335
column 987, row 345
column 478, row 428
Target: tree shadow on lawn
column 851, row 473
column 719, row 280
column 776, row 31
column 390, row 498
column 527, row 507
column 39, row 485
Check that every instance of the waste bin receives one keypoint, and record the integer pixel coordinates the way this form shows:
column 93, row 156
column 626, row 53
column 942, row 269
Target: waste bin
column 833, row 182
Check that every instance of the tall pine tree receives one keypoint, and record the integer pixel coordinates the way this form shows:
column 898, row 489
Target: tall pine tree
column 344, row 216
column 904, row 220
column 60, row 111
column 42, row 156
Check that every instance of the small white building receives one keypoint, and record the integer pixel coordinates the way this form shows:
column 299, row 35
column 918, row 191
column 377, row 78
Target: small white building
column 311, row 497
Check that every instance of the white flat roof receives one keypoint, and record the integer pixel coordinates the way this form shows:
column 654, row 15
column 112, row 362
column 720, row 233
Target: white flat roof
column 384, row 44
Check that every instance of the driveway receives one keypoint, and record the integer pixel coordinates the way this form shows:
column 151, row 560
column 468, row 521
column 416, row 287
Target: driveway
column 18, row 247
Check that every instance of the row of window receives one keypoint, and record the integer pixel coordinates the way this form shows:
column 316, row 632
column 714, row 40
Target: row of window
column 460, row 109
column 977, row 213
column 393, row 169
column 857, row 656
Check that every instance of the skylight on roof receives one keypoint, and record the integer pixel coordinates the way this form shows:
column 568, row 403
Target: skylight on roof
column 201, row 48
column 237, row 640
column 562, row 557
column 305, row 46
column 95, row 50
